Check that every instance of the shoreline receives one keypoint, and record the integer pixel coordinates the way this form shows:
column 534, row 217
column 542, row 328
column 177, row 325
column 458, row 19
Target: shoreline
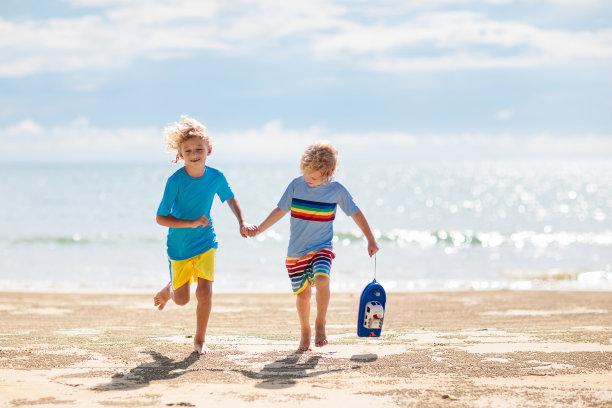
column 232, row 292
column 471, row 348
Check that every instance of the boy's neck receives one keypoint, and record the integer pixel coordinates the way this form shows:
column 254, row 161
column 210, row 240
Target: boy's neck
column 195, row 172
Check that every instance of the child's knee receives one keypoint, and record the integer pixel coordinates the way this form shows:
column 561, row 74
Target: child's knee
column 181, row 295
column 321, row 281
column 304, row 294
column 181, row 299
column 204, row 291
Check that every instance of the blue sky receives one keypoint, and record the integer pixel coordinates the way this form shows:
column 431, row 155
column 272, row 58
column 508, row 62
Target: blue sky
column 99, row 79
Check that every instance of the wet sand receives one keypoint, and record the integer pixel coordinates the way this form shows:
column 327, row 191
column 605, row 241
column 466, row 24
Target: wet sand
column 456, row 349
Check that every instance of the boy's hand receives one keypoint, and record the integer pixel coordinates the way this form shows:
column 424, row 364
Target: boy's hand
column 372, row 248
column 248, row 230
column 254, row 230
column 201, row 221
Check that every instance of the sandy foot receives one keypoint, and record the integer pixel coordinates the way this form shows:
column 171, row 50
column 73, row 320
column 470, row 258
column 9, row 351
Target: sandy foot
column 320, row 336
column 201, row 348
column 305, row 341
column 162, row 297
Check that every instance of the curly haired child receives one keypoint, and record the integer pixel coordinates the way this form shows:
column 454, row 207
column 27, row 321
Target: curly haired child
column 312, row 200
column 185, row 210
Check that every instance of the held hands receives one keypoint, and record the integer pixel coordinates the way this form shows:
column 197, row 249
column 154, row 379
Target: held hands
column 249, row 230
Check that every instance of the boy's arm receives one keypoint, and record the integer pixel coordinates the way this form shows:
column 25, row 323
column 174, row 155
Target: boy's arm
column 237, row 210
column 363, row 225
column 271, row 219
column 173, row 222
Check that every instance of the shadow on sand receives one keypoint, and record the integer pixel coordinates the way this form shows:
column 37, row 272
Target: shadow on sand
column 162, row 368
column 276, row 375
column 284, row 373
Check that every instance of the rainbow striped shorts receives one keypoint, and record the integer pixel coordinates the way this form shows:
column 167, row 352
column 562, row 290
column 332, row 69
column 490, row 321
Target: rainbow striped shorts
column 304, row 270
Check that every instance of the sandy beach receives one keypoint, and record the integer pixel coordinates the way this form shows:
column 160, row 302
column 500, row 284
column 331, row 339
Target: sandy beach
column 459, row 349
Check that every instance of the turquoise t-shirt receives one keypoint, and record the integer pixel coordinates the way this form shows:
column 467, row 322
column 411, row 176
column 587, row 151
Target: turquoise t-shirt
column 313, row 210
column 188, row 198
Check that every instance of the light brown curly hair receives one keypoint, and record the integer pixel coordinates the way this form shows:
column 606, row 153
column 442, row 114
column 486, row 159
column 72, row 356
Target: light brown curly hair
column 321, row 157
column 177, row 133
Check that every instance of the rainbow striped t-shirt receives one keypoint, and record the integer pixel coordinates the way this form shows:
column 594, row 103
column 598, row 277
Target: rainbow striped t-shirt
column 313, row 210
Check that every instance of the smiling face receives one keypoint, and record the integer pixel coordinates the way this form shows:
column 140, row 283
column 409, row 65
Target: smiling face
column 194, row 151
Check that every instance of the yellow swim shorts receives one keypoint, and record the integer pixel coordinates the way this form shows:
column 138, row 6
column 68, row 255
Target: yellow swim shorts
column 189, row 270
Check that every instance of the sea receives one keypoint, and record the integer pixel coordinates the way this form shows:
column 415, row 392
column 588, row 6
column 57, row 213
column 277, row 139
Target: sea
column 441, row 225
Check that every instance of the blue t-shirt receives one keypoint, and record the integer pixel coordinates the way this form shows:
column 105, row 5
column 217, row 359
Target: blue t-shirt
column 313, row 210
column 188, row 198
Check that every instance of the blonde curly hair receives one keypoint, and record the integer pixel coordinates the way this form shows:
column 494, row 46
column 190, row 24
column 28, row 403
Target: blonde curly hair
column 177, row 133
column 321, row 157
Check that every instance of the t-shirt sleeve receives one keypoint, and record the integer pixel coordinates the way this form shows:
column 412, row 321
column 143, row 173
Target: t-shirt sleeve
column 224, row 191
column 167, row 202
column 285, row 201
column 346, row 202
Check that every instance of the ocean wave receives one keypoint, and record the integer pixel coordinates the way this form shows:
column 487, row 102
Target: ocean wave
column 399, row 237
column 77, row 240
column 535, row 280
column 426, row 238
column 557, row 275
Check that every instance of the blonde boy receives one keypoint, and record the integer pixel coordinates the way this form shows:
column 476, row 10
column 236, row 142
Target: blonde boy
column 312, row 200
column 185, row 209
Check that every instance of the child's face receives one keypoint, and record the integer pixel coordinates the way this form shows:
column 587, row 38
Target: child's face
column 194, row 151
column 313, row 178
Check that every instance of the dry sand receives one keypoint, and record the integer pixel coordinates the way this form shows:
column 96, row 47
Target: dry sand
column 461, row 349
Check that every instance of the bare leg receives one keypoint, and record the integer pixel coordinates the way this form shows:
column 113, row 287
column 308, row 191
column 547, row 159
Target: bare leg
column 180, row 296
column 323, row 295
column 204, row 296
column 303, row 308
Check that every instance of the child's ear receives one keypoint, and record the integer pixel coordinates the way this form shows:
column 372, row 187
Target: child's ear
column 209, row 150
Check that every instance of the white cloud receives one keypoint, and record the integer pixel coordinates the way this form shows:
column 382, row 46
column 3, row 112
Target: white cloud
column 471, row 146
column 462, row 40
column 111, row 34
column 270, row 142
column 79, row 141
column 578, row 3
column 126, row 31
column 25, row 128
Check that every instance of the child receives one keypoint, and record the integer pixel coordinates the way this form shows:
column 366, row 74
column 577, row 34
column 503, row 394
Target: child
column 312, row 200
column 185, row 209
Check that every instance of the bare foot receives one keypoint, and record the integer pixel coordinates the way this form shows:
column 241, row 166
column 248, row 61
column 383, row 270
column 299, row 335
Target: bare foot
column 305, row 341
column 320, row 336
column 162, row 297
column 201, row 348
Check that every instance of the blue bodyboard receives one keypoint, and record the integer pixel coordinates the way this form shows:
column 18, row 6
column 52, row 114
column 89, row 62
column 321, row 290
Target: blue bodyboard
column 371, row 310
